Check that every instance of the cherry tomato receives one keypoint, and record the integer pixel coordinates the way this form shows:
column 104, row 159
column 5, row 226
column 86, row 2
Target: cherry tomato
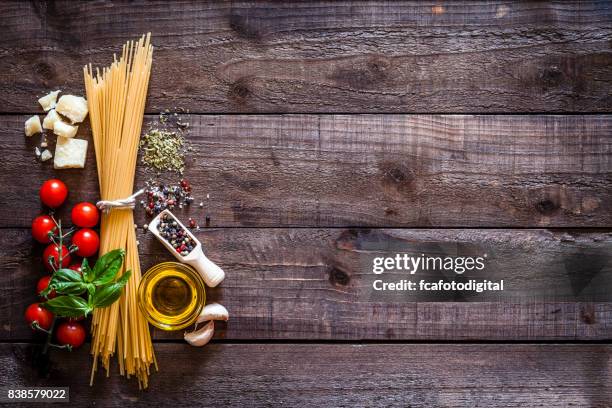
column 72, row 333
column 87, row 242
column 53, row 250
column 76, row 267
column 42, row 285
column 53, row 193
column 41, row 226
column 85, row 215
column 35, row 312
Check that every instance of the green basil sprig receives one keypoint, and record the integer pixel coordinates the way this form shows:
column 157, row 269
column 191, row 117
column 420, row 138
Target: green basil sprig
column 98, row 282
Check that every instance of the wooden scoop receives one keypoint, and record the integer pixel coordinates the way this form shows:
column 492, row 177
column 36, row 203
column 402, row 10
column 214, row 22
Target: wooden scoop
column 210, row 272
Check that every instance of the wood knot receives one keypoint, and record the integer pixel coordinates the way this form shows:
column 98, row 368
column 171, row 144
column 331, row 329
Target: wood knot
column 362, row 74
column 349, row 239
column 240, row 90
column 244, row 27
column 338, row 277
column 45, row 70
column 551, row 76
column 546, row 207
column 587, row 316
column 389, row 211
column 378, row 66
column 397, row 176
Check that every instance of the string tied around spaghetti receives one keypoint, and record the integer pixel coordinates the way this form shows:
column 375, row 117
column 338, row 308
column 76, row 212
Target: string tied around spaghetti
column 129, row 202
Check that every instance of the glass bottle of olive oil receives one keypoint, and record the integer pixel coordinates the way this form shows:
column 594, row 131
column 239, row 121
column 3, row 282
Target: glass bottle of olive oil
column 171, row 295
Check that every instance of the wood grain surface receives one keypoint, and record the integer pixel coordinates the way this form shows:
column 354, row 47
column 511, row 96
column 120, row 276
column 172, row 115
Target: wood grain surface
column 314, row 284
column 326, row 133
column 343, row 375
column 477, row 56
column 364, row 170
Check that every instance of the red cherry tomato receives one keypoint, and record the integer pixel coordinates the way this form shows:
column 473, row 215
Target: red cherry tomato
column 41, row 226
column 76, row 267
column 85, row 215
column 53, row 250
column 53, row 193
column 87, row 242
column 35, row 312
column 42, row 285
column 70, row 332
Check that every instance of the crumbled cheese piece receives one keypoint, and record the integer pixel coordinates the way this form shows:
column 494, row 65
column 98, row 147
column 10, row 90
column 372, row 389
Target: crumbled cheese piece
column 32, row 126
column 73, row 107
column 37, row 151
column 70, row 153
column 48, row 101
column 46, row 155
column 50, row 119
column 63, row 129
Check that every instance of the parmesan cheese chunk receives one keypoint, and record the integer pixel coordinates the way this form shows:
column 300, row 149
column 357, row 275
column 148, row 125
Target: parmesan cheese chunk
column 45, row 155
column 73, row 107
column 63, row 129
column 50, row 119
column 32, row 126
column 48, row 101
column 70, row 153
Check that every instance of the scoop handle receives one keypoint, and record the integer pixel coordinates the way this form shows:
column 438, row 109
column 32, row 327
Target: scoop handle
column 210, row 271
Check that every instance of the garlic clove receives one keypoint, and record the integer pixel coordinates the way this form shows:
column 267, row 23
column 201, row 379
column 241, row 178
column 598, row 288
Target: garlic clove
column 199, row 338
column 213, row 311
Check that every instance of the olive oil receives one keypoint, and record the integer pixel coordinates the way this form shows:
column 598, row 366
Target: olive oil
column 171, row 295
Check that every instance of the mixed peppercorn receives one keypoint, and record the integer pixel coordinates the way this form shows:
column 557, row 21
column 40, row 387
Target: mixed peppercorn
column 161, row 197
column 172, row 232
column 164, row 149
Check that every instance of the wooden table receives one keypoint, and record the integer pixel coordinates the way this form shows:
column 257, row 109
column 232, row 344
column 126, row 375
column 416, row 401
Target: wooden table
column 322, row 126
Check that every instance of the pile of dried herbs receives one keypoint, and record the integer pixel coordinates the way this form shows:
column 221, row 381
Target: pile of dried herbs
column 163, row 150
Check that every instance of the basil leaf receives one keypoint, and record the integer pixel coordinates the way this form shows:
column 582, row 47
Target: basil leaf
column 91, row 289
column 69, row 288
column 45, row 292
column 86, row 270
column 107, row 295
column 107, row 267
column 67, row 275
column 68, row 306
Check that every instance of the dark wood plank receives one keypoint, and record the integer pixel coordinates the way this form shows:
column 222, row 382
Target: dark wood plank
column 477, row 56
column 365, row 170
column 299, row 284
column 304, row 375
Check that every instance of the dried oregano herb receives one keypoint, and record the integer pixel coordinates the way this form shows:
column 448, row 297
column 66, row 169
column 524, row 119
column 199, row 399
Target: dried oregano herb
column 163, row 150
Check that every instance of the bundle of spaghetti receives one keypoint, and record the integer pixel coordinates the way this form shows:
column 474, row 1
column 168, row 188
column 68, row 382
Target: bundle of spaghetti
column 116, row 98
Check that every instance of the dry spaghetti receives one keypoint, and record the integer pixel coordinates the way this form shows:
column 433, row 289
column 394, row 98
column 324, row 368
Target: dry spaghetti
column 116, row 98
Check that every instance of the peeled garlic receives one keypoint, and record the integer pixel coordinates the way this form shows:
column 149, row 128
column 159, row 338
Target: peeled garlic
column 63, row 129
column 213, row 311
column 48, row 101
column 202, row 336
column 32, row 126
column 73, row 107
column 50, row 119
